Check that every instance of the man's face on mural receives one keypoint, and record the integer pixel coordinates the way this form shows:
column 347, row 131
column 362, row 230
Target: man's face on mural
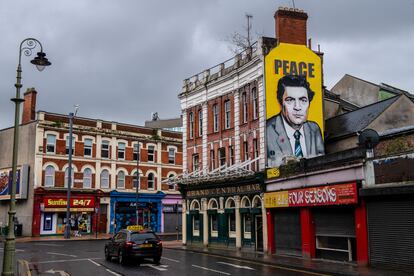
column 295, row 106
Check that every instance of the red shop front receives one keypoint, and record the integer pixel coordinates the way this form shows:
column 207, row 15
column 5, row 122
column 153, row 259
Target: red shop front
column 318, row 222
column 49, row 212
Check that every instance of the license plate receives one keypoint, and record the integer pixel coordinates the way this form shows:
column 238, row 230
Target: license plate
column 146, row 245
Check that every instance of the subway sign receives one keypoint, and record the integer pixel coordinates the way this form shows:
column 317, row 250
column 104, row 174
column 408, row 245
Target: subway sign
column 315, row 196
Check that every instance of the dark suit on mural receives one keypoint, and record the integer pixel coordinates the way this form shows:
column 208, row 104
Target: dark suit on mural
column 278, row 143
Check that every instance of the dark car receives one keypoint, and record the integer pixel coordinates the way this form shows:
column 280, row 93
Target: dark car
column 128, row 244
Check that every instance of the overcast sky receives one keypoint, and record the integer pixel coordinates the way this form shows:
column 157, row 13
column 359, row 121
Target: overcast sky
column 123, row 59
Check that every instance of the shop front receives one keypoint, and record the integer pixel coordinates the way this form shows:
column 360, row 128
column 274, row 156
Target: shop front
column 325, row 222
column 171, row 213
column 225, row 214
column 49, row 213
column 124, row 210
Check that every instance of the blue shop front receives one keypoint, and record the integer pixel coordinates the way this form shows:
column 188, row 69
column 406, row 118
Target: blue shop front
column 123, row 210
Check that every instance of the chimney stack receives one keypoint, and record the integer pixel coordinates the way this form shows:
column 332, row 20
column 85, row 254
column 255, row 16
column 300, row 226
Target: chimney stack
column 290, row 26
column 29, row 106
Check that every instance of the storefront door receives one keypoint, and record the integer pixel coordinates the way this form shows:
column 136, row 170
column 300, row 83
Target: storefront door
column 259, row 233
column 288, row 236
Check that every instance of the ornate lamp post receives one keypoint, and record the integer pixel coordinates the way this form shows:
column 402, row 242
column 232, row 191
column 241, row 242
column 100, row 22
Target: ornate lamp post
column 26, row 47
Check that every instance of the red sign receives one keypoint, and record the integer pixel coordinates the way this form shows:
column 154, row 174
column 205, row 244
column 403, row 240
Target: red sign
column 58, row 202
column 325, row 195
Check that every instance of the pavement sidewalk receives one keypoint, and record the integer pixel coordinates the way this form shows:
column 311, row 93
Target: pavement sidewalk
column 318, row 266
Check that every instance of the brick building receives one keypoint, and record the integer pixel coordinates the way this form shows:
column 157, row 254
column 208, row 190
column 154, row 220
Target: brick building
column 103, row 194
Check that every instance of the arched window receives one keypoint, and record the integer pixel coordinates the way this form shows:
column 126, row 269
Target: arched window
column 49, row 176
column 105, row 179
column 171, row 185
column 151, row 181
column 121, row 180
column 67, row 177
column 87, row 178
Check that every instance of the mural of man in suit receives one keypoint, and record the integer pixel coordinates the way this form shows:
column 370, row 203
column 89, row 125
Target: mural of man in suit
column 289, row 133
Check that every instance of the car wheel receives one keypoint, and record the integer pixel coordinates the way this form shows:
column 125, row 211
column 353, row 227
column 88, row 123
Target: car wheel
column 121, row 257
column 107, row 256
column 157, row 260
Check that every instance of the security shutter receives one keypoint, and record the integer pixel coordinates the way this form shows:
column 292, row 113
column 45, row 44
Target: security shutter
column 334, row 221
column 391, row 233
column 170, row 222
column 288, row 237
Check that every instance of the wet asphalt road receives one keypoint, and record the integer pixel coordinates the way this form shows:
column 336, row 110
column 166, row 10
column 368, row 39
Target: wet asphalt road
column 87, row 258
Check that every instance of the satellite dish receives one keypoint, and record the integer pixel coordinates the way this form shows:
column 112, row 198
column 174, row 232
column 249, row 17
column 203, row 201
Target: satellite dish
column 368, row 138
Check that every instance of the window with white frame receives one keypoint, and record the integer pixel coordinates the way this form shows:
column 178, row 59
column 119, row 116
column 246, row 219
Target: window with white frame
column 196, row 225
column 200, row 123
column 87, row 178
column 191, row 125
column 87, row 147
column 67, row 144
column 49, row 176
column 231, row 155
column 215, row 118
column 255, row 103
column 171, row 185
column 212, row 160
column 214, row 225
column 222, row 156
column 121, row 150
column 227, row 114
column 171, row 156
column 67, row 177
column 151, row 153
column 136, row 180
column 256, row 153
column 105, row 179
column 151, row 181
column 136, row 154
column 120, row 182
column 247, row 225
column 50, row 143
column 245, row 151
column 195, row 162
column 105, row 149
column 232, row 225
column 244, row 107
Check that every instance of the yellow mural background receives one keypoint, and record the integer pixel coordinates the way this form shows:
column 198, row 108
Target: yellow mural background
column 297, row 53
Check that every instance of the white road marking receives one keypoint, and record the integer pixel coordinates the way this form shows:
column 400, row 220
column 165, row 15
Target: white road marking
column 156, row 267
column 17, row 250
column 172, row 260
column 95, row 263
column 237, row 266
column 61, row 272
column 113, row 272
column 209, row 269
column 63, row 261
column 61, row 254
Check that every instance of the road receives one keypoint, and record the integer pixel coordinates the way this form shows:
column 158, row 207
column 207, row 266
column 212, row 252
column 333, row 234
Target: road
column 87, row 258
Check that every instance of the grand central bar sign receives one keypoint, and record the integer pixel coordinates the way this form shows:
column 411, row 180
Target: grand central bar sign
column 245, row 189
column 315, row 196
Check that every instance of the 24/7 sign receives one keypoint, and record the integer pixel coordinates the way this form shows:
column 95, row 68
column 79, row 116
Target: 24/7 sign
column 74, row 202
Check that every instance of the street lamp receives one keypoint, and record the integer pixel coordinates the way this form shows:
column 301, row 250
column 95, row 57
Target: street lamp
column 137, row 186
column 26, row 47
column 67, row 225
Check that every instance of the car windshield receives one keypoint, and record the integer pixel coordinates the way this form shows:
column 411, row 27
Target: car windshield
column 140, row 237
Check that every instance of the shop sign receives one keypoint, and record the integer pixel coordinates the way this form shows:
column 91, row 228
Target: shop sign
column 315, row 196
column 22, row 179
column 76, row 204
column 250, row 188
column 172, row 208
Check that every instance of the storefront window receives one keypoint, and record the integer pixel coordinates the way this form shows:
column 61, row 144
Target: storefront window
column 214, row 224
column 232, row 222
column 247, row 223
column 196, row 225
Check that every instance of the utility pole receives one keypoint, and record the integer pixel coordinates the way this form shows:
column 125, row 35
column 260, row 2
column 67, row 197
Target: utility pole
column 137, row 183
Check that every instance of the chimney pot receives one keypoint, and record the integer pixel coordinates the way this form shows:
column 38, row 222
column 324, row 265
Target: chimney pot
column 29, row 106
column 290, row 26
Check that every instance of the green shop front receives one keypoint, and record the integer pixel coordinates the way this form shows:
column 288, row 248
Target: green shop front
column 224, row 213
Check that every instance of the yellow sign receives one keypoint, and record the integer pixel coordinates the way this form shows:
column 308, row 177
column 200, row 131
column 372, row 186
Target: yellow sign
column 276, row 199
column 135, row 227
column 273, row 172
column 294, row 104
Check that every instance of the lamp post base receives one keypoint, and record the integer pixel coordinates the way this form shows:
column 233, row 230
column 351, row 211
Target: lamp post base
column 66, row 234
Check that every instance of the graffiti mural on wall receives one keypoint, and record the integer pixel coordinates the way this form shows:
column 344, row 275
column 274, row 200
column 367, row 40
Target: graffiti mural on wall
column 294, row 125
